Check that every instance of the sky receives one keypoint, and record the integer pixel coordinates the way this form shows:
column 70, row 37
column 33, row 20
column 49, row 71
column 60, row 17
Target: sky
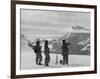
column 49, row 24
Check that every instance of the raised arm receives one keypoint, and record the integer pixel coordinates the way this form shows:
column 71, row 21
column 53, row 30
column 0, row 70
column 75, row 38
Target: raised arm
column 29, row 44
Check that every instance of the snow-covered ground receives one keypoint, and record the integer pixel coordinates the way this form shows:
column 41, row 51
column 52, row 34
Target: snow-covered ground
column 28, row 60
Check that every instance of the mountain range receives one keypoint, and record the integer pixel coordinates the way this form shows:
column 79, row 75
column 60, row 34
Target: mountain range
column 79, row 42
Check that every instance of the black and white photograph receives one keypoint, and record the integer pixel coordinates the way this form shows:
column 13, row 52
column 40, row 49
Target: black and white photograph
column 52, row 39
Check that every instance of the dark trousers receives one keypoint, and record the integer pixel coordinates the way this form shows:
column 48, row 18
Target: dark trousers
column 65, row 59
column 38, row 58
column 47, row 59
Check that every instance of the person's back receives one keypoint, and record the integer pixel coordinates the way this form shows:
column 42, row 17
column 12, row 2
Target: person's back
column 37, row 49
column 46, row 51
column 65, row 52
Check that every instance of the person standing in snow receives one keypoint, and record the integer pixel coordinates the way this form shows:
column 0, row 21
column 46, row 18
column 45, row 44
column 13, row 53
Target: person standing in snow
column 46, row 52
column 65, row 52
column 37, row 50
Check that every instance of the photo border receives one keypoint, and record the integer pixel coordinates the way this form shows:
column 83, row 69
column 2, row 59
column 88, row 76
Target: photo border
column 13, row 38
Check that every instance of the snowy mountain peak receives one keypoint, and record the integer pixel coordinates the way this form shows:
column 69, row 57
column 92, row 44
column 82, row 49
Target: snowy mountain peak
column 78, row 28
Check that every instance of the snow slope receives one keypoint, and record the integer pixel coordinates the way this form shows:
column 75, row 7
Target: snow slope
column 28, row 60
column 76, row 58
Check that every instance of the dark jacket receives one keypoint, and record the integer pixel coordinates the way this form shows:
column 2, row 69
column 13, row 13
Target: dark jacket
column 46, row 51
column 37, row 49
column 65, row 48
